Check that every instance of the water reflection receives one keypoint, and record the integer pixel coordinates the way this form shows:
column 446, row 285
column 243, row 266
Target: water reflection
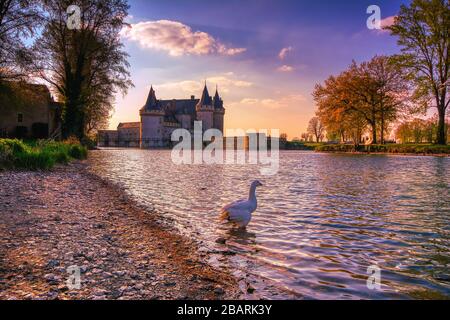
column 322, row 220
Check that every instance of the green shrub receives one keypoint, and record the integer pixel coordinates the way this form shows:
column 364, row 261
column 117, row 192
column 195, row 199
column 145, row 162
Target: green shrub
column 33, row 160
column 78, row 152
column 6, row 155
column 38, row 154
column 15, row 145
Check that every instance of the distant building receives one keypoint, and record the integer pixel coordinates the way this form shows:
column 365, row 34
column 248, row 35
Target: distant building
column 28, row 111
column 159, row 118
column 128, row 134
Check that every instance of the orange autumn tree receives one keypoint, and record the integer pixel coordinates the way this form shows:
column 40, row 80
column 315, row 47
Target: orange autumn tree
column 367, row 95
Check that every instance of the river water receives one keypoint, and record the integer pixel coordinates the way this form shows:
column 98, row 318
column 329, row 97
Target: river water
column 323, row 226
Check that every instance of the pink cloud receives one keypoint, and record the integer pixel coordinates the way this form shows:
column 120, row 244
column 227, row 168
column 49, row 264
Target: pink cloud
column 284, row 52
column 387, row 22
column 285, row 68
column 176, row 38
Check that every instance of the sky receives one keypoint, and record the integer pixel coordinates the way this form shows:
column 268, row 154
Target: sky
column 265, row 56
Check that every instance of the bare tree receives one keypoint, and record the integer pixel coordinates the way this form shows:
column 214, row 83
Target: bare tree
column 316, row 128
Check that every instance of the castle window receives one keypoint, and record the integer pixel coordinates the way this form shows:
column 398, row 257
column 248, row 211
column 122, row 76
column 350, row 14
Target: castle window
column 20, row 117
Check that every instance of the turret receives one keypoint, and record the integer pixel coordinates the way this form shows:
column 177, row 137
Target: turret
column 217, row 101
column 205, row 110
column 152, row 116
column 219, row 111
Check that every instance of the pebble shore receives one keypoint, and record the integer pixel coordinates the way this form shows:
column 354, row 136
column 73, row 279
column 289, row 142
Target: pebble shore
column 50, row 221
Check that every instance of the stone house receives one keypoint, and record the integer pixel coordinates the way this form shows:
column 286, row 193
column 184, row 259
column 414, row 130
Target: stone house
column 28, row 111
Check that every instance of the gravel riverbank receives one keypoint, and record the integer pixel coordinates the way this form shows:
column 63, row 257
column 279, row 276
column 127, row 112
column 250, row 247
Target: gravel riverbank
column 66, row 217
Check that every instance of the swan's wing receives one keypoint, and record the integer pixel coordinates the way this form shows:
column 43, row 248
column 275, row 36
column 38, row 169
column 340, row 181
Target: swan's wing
column 238, row 211
column 239, row 216
column 238, row 205
column 233, row 205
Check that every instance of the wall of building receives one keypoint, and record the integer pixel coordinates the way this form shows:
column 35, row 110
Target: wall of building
column 218, row 121
column 185, row 121
column 22, row 108
column 207, row 118
column 107, row 138
column 129, row 137
column 168, row 129
column 151, row 131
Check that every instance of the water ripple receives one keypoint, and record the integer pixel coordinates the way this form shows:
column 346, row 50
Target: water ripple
column 321, row 221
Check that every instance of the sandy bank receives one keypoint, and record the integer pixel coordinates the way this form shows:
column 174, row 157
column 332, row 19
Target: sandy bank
column 52, row 220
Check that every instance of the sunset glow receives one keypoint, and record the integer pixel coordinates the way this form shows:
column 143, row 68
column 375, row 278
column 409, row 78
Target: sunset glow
column 265, row 65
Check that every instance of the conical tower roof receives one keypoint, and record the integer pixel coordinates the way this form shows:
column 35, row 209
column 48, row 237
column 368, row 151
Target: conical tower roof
column 205, row 99
column 217, row 101
column 152, row 102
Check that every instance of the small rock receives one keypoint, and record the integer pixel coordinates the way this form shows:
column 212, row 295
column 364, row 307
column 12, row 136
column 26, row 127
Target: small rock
column 139, row 286
column 250, row 289
column 170, row 284
column 221, row 240
column 219, row 291
column 52, row 263
column 51, row 278
column 62, row 288
column 52, row 295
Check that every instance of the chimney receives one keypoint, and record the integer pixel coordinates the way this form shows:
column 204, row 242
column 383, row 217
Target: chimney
column 192, row 97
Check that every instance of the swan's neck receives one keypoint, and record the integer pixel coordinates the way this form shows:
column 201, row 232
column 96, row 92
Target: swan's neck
column 252, row 194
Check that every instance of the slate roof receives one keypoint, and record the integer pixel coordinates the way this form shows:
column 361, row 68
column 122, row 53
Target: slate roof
column 206, row 99
column 127, row 125
column 182, row 106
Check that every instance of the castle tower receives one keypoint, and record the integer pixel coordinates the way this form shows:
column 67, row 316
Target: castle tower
column 205, row 110
column 219, row 111
column 152, row 118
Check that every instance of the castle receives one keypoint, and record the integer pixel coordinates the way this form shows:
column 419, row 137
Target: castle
column 159, row 118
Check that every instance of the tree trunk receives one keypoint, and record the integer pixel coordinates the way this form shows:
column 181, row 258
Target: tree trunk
column 374, row 133
column 73, row 117
column 441, row 134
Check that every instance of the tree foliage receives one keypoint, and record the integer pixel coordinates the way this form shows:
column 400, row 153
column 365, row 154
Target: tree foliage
column 423, row 31
column 370, row 94
column 419, row 131
column 18, row 20
column 86, row 66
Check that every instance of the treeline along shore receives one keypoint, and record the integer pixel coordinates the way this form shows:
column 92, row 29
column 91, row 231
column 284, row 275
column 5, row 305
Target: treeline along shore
column 412, row 149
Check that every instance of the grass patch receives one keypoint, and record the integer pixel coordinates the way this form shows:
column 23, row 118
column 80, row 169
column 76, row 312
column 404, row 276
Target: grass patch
column 387, row 148
column 38, row 154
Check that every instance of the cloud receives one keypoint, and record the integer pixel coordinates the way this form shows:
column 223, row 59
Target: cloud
column 270, row 103
column 284, row 52
column 189, row 87
column 386, row 22
column 249, row 101
column 176, row 38
column 285, row 68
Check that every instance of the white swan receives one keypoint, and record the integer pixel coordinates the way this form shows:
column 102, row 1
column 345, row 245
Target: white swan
column 240, row 212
